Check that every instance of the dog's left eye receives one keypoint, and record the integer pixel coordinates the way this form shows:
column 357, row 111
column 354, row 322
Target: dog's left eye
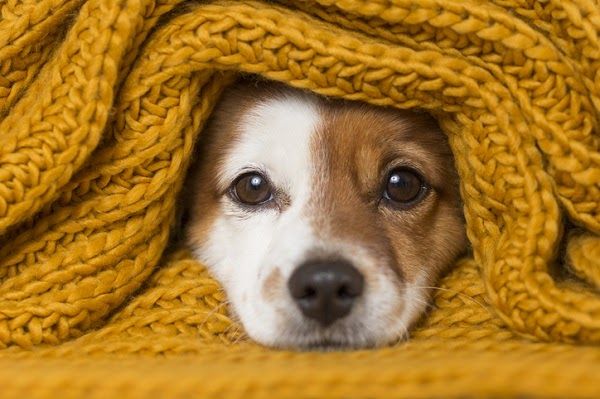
column 404, row 186
column 252, row 189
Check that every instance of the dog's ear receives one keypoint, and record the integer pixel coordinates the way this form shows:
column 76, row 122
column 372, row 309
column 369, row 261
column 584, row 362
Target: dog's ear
column 182, row 207
column 177, row 235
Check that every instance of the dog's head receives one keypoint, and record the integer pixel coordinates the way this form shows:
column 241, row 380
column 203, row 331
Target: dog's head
column 326, row 221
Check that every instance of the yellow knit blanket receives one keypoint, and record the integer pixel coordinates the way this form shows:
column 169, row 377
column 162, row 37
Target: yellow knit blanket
column 101, row 103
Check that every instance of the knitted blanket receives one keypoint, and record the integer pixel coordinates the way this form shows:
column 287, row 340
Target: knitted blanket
column 101, row 103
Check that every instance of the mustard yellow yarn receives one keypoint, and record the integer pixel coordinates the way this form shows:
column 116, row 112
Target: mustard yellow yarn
column 101, row 103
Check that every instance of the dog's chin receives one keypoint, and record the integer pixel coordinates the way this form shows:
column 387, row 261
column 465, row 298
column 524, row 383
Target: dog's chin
column 338, row 337
column 334, row 345
column 331, row 346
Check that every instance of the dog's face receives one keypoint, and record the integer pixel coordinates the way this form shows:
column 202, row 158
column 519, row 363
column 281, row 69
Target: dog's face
column 325, row 221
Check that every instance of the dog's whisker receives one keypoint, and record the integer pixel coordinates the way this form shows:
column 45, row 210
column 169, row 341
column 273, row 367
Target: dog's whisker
column 426, row 303
column 406, row 334
column 211, row 313
column 457, row 293
column 240, row 335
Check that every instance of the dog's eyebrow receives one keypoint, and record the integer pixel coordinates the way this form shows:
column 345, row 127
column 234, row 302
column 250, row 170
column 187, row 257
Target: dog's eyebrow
column 411, row 154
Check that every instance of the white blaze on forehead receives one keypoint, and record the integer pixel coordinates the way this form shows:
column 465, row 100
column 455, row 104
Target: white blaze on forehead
column 275, row 138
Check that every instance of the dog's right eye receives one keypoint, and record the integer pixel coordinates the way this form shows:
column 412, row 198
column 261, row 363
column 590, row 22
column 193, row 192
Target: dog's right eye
column 252, row 189
column 404, row 187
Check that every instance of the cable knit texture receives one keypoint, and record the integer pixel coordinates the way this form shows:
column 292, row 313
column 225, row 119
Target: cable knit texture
column 101, row 103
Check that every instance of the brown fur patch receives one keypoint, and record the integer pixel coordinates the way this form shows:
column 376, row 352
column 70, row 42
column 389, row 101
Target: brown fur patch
column 272, row 285
column 356, row 147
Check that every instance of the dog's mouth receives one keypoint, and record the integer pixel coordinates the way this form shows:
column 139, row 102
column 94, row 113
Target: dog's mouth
column 328, row 345
column 338, row 344
column 307, row 335
column 343, row 335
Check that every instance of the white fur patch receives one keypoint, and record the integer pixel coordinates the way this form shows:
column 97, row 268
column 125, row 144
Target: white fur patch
column 275, row 138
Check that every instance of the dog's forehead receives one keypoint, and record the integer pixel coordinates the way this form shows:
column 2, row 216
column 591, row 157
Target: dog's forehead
column 273, row 135
column 291, row 135
column 362, row 140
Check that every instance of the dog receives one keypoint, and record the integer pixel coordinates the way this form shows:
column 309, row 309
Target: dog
column 328, row 222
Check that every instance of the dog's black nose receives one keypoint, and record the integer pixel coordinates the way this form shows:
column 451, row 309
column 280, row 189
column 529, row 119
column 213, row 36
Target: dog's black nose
column 326, row 290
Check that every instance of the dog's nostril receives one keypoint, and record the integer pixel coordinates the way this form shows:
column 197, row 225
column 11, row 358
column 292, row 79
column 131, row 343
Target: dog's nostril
column 326, row 290
column 309, row 292
column 344, row 293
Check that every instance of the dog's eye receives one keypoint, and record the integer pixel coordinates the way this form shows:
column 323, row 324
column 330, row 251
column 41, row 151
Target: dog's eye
column 404, row 186
column 252, row 189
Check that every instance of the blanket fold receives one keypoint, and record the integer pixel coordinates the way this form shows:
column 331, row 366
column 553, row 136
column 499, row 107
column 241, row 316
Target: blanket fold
column 102, row 102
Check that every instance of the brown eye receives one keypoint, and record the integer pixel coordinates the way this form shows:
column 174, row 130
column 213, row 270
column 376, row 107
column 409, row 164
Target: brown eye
column 252, row 189
column 404, row 186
